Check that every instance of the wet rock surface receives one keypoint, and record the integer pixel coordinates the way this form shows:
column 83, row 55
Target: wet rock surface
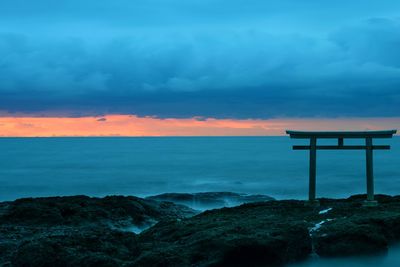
column 210, row 200
column 357, row 230
column 78, row 210
column 77, row 247
column 77, row 230
column 83, row 231
column 259, row 234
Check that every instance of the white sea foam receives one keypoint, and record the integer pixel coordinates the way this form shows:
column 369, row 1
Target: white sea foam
column 325, row 211
column 317, row 226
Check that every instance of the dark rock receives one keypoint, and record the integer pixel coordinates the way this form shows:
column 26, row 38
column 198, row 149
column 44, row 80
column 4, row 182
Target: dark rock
column 79, row 210
column 83, row 231
column 41, row 230
column 210, row 200
column 347, row 238
column 251, row 235
column 357, row 230
column 86, row 247
column 40, row 253
column 97, row 261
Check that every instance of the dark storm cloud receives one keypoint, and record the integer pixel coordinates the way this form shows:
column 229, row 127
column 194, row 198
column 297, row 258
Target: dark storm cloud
column 174, row 59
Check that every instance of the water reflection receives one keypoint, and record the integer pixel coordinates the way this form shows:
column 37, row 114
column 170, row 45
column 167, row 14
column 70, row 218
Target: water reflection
column 389, row 259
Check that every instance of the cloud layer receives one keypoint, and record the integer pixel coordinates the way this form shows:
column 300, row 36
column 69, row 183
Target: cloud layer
column 183, row 60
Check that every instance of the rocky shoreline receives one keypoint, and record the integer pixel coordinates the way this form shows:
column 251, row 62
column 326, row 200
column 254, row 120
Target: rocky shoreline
column 84, row 231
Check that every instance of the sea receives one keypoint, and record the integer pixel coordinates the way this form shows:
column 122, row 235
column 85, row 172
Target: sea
column 144, row 166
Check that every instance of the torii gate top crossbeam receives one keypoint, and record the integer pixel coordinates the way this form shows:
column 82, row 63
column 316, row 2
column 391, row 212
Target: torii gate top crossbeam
column 338, row 134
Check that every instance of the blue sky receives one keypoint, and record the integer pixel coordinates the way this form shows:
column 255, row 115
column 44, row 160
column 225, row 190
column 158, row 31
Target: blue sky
column 221, row 59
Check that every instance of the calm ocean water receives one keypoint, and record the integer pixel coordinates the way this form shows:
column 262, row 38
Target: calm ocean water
column 147, row 166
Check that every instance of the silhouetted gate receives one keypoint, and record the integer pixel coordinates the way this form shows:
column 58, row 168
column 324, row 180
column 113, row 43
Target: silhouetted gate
column 340, row 136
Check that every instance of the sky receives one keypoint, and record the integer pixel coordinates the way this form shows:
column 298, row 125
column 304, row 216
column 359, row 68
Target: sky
column 252, row 63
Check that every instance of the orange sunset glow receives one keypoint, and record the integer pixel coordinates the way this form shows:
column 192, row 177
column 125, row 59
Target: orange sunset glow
column 130, row 125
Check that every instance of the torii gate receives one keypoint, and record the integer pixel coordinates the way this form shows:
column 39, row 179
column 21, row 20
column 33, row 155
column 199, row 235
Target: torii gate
column 368, row 147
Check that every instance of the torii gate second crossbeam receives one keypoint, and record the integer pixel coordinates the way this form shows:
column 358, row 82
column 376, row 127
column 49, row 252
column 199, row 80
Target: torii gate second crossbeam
column 340, row 136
